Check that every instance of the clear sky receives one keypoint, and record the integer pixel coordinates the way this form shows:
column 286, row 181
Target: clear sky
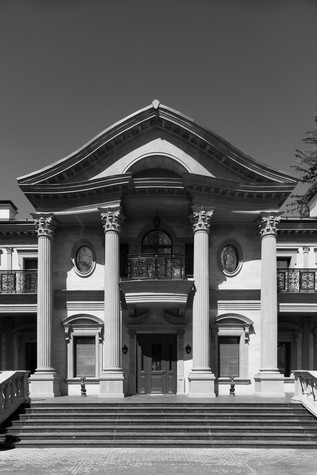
column 245, row 69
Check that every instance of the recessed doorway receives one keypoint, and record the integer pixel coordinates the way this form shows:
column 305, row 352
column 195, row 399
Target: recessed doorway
column 156, row 364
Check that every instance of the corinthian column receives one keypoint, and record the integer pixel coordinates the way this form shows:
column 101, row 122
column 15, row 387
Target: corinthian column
column 201, row 379
column 111, row 380
column 269, row 382
column 45, row 381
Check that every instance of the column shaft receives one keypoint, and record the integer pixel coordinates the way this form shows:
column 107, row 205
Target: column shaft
column 268, row 304
column 45, row 382
column 44, row 305
column 111, row 355
column 201, row 302
column 111, row 379
column 269, row 382
column 201, row 379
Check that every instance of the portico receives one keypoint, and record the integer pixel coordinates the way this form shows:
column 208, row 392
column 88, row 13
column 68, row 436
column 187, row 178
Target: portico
column 152, row 276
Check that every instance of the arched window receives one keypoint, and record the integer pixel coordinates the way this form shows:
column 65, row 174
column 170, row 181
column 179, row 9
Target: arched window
column 157, row 242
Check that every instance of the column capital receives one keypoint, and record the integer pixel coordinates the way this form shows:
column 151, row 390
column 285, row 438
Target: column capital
column 112, row 219
column 268, row 224
column 45, row 224
column 201, row 219
column 9, row 250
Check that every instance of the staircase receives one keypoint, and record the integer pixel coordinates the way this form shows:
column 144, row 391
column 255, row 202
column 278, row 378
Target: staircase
column 150, row 424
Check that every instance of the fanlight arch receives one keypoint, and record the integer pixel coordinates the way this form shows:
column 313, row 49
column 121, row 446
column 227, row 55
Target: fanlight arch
column 157, row 165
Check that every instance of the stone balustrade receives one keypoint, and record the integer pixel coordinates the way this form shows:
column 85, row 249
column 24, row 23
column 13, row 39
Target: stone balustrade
column 306, row 389
column 14, row 391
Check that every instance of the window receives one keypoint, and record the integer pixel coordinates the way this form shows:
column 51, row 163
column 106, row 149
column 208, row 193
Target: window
column 83, row 335
column 283, row 262
column 157, row 242
column 230, row 258
column 228, row 356
column 83, row 258
column 29, row 263
column 233, row 346
column 84, row 356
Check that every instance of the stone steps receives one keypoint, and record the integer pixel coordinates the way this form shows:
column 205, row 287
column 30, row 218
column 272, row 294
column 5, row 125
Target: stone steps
column 164, row 425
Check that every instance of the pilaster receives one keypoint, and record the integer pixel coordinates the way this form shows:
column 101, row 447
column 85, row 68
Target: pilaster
column 269, row 381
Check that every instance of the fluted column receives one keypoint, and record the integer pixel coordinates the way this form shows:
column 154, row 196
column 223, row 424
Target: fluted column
column 45, row 381
column 111, row 381
column 269, row 381
column 201, row 379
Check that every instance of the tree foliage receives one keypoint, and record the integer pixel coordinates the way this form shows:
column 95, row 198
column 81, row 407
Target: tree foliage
column 306, row 167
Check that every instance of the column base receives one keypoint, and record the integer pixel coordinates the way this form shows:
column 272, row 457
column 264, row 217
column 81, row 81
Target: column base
column 269, row 384
column 201, row 384
column 44, row 385
column 111, row 385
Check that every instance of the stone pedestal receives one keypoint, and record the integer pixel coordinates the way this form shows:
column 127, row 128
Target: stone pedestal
column 111, row 379
column 44, row 382
column 269, row 381
column 201, row 378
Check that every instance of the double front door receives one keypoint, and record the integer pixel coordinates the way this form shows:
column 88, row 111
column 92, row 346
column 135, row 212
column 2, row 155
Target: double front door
column 156, row 364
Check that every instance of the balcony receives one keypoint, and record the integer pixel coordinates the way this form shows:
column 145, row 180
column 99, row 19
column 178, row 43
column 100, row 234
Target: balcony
column 156, row 267
column 297, row 280
column 18, row 281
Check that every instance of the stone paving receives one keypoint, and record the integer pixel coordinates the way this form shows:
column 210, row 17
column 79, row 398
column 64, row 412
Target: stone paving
column 159, row 461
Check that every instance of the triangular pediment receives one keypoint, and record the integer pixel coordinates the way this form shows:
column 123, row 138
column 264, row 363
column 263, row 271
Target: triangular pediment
column 156, row 131
column 155, row 142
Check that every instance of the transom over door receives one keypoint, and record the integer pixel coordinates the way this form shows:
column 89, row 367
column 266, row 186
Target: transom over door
column 156, row 364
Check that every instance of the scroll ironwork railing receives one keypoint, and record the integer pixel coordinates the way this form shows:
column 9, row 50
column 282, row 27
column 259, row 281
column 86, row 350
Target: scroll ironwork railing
column 18, row 281
column 297, row 280
column 161, row 266
column 306, row 389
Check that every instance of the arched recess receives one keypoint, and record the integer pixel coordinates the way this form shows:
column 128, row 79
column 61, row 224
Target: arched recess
column 157, row 165
column 83, row 335
column 233, row 335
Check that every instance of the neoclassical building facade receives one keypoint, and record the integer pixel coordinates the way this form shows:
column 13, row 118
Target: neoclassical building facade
column 158, row 261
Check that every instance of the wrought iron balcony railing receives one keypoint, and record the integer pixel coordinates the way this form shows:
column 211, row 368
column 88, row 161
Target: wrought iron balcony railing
column 18, row 281
column 161, row 266
column 297, row 280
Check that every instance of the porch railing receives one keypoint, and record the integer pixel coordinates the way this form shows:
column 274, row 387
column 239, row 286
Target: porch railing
column 14, row 391
column 18, row 281
column 297, row 280
column 306, row 389
column 150, row 266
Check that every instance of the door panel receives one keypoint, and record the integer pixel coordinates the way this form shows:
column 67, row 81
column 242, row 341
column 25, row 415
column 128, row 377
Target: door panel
column 156, row 364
